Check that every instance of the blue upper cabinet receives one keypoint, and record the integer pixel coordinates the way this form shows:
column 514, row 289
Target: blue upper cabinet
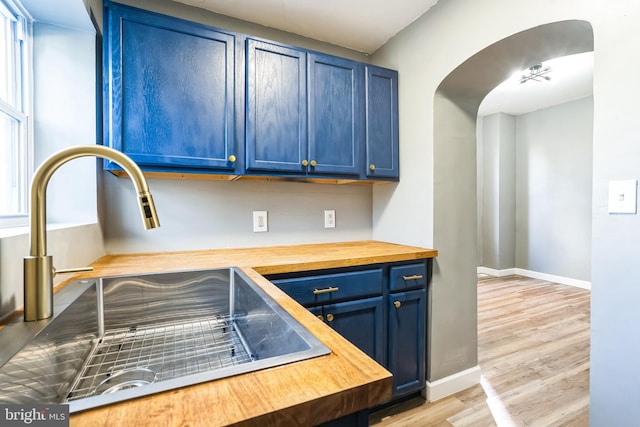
column 169, row 92
column 381, row 123
column 335, row 121
column 304, row 111
column 276, row 110
column 183, row 97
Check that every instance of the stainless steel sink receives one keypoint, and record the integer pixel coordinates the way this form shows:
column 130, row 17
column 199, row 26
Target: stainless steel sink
column 117, row 338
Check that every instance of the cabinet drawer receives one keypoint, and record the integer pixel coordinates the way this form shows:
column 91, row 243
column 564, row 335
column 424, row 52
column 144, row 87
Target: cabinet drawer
column 332, row 287
column 408, row 276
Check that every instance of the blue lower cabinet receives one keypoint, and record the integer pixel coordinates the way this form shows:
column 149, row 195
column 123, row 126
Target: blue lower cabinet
column 407, row 323
column 379, row 308
column 360, row 322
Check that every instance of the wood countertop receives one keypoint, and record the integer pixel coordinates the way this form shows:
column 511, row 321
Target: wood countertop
column 303, row 393
column 264, row 260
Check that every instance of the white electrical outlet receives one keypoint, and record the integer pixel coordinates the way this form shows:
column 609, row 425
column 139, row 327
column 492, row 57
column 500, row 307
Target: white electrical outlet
column 330, row 219
column 260, row 223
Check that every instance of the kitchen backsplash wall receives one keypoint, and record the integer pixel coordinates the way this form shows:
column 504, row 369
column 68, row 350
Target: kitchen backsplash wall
column 200, row 214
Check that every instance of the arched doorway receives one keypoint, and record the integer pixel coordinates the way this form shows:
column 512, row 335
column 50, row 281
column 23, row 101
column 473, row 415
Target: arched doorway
column 455, row 222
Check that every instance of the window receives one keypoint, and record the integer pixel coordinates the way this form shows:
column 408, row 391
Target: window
column 15, row 152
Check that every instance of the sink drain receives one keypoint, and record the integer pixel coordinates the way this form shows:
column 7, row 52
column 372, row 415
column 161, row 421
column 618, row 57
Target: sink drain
column 128, row 378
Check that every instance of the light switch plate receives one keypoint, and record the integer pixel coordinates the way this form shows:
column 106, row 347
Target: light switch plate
column 622, row 196
column 260, row 222
column 330, row 219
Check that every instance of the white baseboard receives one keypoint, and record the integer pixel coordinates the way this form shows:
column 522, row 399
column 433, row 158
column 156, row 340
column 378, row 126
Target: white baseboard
column 452, row 384
column 536, row 275
column 496, row 273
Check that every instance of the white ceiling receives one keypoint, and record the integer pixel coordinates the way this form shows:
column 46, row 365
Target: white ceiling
column 365, row 26
column 571, row 79
column 68, row 13
column 362, row 25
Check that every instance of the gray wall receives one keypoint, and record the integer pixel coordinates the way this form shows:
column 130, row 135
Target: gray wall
column 554, row 173
column 497, row 191
column 213, row 214
column 453, row 340
column 433, row 47
column 181, row 10
column 65, row 114
column 534, row 178
column 431, row 60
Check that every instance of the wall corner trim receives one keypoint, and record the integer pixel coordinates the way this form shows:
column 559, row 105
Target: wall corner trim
column 452, row 384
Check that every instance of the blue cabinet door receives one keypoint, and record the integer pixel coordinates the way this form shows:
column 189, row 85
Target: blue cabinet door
column 407, row 322
column 169, row 91
column 276, row 111
column 335, row 115
column 381, row 123
column 361, row 323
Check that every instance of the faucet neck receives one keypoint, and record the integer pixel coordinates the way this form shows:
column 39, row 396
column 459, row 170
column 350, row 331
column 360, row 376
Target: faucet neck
column 38, row 267
column 41, row 177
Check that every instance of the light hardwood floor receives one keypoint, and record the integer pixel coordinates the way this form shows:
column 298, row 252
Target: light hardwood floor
column 533, row 350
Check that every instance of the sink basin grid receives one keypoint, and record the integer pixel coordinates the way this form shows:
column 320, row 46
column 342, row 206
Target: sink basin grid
column 169, row 350
column 123, row 337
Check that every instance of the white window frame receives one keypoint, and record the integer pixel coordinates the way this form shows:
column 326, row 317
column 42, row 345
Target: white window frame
column 19, row 107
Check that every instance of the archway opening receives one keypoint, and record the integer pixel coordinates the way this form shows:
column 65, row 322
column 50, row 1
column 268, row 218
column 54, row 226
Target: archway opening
column 455, row 176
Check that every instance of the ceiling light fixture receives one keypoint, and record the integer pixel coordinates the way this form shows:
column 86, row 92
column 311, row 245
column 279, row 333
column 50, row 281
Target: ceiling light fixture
column 536, row 73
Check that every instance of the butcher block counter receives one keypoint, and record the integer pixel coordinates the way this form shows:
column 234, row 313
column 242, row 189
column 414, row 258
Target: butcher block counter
column 303, row 393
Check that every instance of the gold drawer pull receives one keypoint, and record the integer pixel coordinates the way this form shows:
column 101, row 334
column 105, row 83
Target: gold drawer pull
column 325, row 290
column 320, row 317
column 329, row 317
column 305, row 162
column 397, row 304
column 414, row 277
column 232, row 158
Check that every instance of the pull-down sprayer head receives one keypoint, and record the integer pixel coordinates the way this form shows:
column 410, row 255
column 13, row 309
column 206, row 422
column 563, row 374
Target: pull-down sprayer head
column 148, row 211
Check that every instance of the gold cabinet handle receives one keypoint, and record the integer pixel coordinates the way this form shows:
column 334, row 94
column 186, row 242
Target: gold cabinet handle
column 232, row 158
column 329, row 317
column 313, row 163
column 414, row 277
column 325, row 290
column 320, row 317
column 397, row 304
column 305, row 162
column 372, row 167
